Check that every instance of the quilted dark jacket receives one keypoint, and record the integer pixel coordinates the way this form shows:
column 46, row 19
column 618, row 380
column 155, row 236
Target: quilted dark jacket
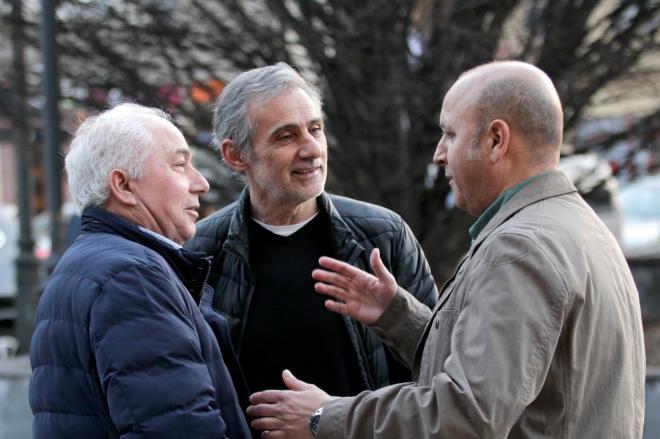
column 120, row 347
column 356, row 229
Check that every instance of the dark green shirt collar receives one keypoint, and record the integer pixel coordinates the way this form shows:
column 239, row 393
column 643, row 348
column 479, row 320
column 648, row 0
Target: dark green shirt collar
column 492, row 210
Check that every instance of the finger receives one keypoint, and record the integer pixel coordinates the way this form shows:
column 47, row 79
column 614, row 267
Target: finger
column 338, row 307
column 331, row 290
column 266, row 397
column 379, row 268
column 263, row 410
column 293, row 383
column 330, row 277
column 340, row 267
column 267, row 423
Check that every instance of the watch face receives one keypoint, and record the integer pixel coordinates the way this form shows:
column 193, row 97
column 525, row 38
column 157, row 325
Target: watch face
column 314, row 422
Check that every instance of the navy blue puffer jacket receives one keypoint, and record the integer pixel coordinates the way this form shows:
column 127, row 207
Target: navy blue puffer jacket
column 121, row 348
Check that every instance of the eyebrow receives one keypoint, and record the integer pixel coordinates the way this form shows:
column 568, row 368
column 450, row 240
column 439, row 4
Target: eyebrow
column 181, row 150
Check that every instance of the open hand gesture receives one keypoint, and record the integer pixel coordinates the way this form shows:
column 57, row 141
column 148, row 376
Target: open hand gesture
column 358, row 294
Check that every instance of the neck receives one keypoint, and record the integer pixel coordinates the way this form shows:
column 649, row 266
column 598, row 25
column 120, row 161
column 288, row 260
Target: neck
column 135, row 216
column 531, row 172
column 524, row 167
column 111, row 205
column 283, row 215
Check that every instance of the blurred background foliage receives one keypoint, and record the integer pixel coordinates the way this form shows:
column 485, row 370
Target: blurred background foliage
column 382, row 65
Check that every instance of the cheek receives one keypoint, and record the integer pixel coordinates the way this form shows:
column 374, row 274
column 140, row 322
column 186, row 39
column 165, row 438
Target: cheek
column 453, row 159
column 474, row 154
column 274, row 164
column 269, row 173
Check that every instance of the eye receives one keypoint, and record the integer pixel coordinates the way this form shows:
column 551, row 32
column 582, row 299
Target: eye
column 316, row 130
column 284, row 137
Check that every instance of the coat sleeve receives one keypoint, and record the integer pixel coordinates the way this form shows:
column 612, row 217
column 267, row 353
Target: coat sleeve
column 411, row 269
column 501, row 347
column 402, row 324
column 149, row 359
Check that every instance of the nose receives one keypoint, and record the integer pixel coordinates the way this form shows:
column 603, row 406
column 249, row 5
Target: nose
column 440, row 155
column 312, row 146
column 198, row 184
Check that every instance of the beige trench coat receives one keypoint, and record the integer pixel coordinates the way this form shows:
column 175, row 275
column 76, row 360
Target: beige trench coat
column 537, row 335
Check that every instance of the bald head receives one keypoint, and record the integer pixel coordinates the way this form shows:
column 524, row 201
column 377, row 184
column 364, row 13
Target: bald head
column 523, row 96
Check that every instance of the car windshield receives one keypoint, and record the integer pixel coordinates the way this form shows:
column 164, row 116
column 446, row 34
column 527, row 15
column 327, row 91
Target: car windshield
column 642, row 199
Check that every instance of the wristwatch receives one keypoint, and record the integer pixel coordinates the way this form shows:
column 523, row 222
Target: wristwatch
column 315, row 420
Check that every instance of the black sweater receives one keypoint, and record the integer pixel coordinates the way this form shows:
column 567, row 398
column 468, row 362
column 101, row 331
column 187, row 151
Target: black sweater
column 287, row 326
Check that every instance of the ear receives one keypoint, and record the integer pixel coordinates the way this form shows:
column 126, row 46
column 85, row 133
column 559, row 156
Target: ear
column 498, row 137
column 121, row 188
column 233, row 156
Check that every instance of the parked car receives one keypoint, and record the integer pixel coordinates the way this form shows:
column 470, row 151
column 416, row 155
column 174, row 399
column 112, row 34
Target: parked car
column 8, row 250
column 640, row 207
column 9, row 234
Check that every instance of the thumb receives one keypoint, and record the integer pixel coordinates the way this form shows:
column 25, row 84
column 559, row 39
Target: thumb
column 293, row 383
column 379, row 268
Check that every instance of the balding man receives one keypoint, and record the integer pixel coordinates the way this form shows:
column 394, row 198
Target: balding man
column 537, row 334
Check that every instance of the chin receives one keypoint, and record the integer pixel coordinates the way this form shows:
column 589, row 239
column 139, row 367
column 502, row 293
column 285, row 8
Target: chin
column 185, row 235
column 316, row 191
column 305, row 194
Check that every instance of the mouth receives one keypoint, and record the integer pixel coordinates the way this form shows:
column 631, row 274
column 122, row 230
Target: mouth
column 307, row 171
column 192, row 211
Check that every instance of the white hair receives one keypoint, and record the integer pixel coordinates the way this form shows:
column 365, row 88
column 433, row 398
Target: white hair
column 113, row 139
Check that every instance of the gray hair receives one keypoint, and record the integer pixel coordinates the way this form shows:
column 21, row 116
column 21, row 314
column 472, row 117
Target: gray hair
column 113, row 139
column 231, row 118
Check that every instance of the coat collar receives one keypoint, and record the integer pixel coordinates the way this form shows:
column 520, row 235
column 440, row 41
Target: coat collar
column 237, row 235
column 345, row 245
column 342, row 237
column 548, row 185
column 191, row 267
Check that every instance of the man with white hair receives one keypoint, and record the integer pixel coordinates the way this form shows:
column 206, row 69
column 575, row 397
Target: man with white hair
column 120, row 347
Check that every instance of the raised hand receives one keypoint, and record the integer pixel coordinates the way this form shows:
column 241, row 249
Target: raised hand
column 357, row 294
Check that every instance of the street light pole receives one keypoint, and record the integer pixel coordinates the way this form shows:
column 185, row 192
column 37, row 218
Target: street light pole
column 51, row 129
column 27, row 267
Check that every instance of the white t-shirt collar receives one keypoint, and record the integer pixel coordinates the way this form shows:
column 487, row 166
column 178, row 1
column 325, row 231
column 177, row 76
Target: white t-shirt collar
column 286, row 230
